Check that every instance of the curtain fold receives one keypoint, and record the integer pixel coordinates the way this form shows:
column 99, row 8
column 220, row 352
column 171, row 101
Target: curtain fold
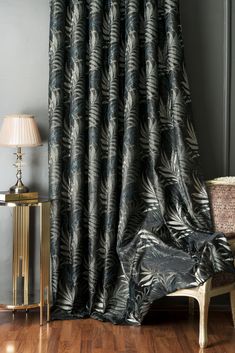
column 130, row 219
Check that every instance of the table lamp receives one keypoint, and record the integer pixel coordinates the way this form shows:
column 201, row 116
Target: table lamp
column 19, row 131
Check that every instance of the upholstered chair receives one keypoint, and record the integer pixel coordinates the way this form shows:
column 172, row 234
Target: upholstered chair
column 222, row 198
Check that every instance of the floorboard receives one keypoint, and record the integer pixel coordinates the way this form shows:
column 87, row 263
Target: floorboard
column 161, row 332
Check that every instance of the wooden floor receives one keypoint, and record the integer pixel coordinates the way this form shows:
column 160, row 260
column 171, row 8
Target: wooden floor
column 160, row 333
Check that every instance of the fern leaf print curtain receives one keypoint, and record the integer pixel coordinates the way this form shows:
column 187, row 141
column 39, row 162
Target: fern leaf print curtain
column 130, row 214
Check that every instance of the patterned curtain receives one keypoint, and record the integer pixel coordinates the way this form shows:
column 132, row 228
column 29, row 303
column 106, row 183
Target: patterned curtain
column 130, row 213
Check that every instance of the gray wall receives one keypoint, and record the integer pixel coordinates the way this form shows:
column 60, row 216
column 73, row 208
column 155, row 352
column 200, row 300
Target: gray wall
column 24, row 28
column 205, row 35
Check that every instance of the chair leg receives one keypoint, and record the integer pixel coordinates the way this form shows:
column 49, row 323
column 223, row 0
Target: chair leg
column 204, row 302
column 232, row 302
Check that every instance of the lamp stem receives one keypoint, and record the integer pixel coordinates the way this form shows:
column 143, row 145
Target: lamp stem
column 19, row 187
column 18, row 164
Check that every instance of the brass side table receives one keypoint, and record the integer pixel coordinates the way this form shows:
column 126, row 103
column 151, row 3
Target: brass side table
column 21, row 229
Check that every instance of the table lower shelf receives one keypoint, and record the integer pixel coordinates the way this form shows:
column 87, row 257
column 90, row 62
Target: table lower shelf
column 19, row 307
column 6, row 303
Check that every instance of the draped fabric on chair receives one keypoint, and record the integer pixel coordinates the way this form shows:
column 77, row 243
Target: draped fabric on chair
column 130, row 214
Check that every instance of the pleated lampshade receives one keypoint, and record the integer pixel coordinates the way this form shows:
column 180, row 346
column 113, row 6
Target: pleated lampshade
column 19, row 131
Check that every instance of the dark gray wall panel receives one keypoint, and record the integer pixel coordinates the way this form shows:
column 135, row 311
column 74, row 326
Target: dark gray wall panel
column 232, row 116
column 204, row 34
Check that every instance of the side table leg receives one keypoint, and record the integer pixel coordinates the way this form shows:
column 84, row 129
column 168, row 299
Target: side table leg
column 44, row 259
column 48, row 304
column 15, row 255
column 41, row 269
column 41, row 305
column 47, row 264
